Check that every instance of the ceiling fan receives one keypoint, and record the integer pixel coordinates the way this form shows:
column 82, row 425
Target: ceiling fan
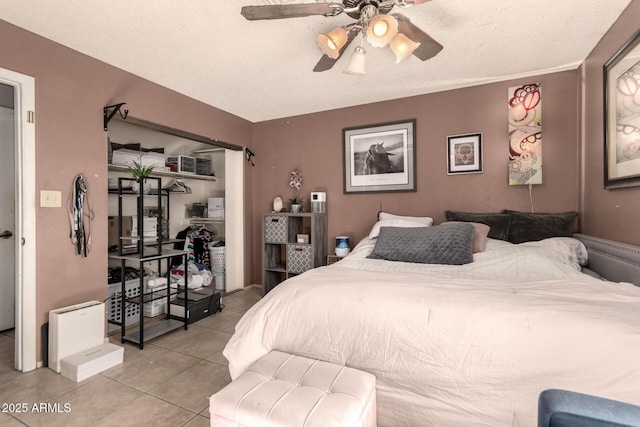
column 373, row 20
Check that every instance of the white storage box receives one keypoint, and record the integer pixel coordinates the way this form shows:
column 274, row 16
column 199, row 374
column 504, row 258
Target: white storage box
column 215, row 207
column 150, row 224
column 215, row 213
column 216, row 202
column 156, row 307
column 73, row 329
column 156, row 284
column 125, row 157
column 94, row 360
column 154, row 159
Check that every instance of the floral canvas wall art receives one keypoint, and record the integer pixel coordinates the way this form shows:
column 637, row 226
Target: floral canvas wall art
column 525, row 134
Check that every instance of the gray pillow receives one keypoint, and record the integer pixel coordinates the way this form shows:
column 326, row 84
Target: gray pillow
column 498, row 223
column 527, row 227
column 441, row 244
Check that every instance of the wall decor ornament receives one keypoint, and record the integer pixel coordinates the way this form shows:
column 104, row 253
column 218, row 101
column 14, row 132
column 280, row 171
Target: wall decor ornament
column 277, row 204
column 464, row 153
column 525, row 134
column 295, row 182
column 622, row 117
column 380, row 157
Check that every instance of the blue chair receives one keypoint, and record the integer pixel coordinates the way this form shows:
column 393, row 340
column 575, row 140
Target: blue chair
column 563, row 408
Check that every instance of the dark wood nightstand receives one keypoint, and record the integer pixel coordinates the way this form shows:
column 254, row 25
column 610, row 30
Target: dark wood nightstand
column 333, row 258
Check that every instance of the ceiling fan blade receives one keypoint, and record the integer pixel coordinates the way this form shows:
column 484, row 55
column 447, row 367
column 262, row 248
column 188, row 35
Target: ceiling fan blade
column 326, row 62
column 409, row 3
column 279, row 11
column 428, row 46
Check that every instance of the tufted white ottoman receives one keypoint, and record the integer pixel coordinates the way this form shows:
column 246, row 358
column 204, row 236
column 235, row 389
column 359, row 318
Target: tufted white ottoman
column 285, row 390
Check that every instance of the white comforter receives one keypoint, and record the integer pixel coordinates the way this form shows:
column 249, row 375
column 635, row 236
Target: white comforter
column 469, row 345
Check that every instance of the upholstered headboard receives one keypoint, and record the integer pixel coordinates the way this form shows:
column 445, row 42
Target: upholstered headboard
column 612, row 260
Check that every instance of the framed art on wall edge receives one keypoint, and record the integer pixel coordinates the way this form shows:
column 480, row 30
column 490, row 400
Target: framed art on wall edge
column 622, row 117
column 380, row 157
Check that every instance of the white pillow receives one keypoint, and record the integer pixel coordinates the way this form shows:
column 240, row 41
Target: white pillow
column 428, row 221
column 393, row 223
column 580, row 248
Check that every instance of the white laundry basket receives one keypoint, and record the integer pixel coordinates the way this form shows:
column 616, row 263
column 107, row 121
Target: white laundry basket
column 216, row 259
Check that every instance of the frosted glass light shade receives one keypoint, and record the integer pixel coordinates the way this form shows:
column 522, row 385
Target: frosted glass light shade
column 356, row 63
column 381, row 30
column 402, row 46
column 331, row 43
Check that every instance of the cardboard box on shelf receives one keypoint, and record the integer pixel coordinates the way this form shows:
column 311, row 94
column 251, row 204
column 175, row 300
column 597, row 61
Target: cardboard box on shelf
column 127, row 226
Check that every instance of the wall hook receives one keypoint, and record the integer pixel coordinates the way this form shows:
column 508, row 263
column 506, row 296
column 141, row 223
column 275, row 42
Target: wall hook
column 109, row 115
column 249, row 154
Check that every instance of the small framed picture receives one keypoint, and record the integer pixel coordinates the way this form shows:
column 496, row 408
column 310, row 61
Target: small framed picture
column 464, row 153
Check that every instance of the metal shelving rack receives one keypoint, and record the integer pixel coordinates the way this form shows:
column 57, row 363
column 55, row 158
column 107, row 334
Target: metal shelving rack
column 142, row 255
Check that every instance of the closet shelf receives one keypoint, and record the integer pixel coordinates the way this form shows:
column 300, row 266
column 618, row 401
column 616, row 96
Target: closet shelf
column 196, row 220
column 152, row 296
column 159, row 328
column 131, row 193
column 121, row 168
column 136, row 257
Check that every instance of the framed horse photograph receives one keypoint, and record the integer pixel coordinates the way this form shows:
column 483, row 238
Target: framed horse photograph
column 380, row 157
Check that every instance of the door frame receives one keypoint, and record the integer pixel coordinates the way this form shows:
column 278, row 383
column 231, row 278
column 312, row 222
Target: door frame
column 25, row 220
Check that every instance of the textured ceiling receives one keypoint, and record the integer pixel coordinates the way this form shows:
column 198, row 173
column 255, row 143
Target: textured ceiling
column 261, row 70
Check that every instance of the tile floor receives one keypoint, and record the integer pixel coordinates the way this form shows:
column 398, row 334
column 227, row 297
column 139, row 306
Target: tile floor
column 165, row 384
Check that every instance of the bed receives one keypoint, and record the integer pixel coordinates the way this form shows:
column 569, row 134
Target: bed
column 459, row 345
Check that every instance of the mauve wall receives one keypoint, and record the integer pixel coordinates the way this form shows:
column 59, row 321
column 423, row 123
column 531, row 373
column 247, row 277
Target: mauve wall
column 313, row 143
column 71, row 91
column 611, row 214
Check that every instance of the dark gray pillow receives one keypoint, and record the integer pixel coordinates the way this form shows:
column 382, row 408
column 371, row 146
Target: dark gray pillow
column 529, row 227
column 498, row 223
column 441, row 244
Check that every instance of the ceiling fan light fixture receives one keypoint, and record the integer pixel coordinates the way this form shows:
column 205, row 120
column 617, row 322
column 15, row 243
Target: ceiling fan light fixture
column 402, row 46
column 381, row 30
column 331, row 43
column 356, row 62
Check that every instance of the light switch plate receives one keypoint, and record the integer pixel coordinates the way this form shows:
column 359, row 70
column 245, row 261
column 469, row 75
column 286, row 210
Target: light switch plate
column 50, row 199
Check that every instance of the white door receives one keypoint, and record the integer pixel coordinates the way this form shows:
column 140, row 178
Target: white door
column 7, row 219
column 24, row 240
column 234, row 219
